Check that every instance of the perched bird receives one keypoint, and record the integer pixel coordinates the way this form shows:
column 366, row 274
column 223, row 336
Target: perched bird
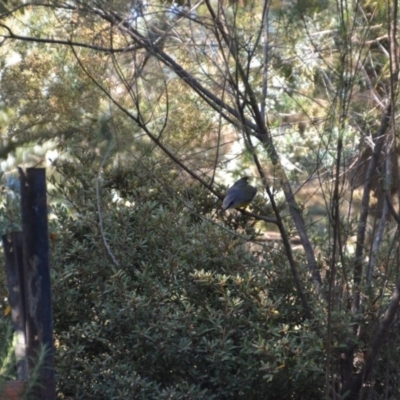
column 239, row 195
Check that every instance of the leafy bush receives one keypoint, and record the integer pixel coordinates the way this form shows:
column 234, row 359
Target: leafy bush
column 190, row 312
column 7, row 355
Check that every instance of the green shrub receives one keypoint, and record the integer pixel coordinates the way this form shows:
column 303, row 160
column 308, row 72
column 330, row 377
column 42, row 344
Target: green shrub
column 189, row 313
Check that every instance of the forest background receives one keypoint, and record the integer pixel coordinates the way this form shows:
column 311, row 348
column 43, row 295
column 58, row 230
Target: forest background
column 143, row 113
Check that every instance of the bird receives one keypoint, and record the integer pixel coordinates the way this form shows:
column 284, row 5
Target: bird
column 239, row 195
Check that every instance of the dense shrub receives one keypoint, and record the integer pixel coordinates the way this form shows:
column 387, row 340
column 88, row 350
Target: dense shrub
column 189, row 313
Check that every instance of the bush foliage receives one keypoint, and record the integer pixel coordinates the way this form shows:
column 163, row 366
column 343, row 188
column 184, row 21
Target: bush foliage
column 190, row 311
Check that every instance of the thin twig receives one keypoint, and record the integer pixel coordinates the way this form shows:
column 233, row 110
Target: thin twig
column 382, row 222
column 101, row 226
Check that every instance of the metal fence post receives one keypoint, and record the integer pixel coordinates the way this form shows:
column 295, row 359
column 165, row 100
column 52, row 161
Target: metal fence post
column 39, row 323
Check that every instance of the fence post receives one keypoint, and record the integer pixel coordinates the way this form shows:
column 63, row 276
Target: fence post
column 39, row 323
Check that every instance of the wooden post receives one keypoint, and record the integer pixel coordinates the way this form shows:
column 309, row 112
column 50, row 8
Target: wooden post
column 39, row 323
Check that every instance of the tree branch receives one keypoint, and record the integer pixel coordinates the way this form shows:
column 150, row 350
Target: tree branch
column 362, row 225
column 13, row 36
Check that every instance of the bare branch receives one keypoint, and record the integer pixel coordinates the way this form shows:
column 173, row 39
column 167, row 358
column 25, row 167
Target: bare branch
column 385, row 208
column 362, row 225
column 13, row 36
